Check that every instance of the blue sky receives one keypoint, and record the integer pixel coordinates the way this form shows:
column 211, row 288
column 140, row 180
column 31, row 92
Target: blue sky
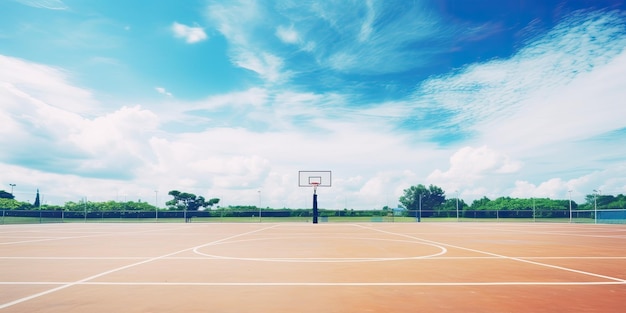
column 115, row 100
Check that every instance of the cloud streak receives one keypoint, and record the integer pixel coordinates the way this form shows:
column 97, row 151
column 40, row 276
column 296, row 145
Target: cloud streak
column 191, row 34
column 45, row 4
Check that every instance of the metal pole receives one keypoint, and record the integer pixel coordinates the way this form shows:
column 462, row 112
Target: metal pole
column 595, row 207
column 457, row 206
column 570, row 205
column 12, row 185
column 259, row 206
column 314, row 205
column 419, row 219
column 533, row 209
column 156, row 205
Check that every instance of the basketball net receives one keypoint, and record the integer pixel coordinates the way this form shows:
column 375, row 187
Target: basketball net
column 315, row 187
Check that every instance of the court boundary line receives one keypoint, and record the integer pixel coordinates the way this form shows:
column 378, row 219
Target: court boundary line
column 99, row 234
column 330, row 284
column 84, row 280
column 569, row 233
column 52, row 258
column 623, row 281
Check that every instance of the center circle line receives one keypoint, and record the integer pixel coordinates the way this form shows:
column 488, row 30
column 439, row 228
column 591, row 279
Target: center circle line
column 442, row 251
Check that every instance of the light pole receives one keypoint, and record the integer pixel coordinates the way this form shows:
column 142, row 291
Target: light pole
column 259, row 206
column 156, row 205
column 419, row 219
column 533, row 209
column 12, row 185
column 595, row 206
column 570, row 205
column 457, row 205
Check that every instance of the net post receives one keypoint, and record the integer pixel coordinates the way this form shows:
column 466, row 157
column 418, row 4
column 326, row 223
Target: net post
column 315, row 179
column 315, row 210
column 315, row 213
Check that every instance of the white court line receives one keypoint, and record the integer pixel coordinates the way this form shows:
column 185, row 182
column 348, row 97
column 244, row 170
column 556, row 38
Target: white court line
column 529, row 229
column 500, row 256
column 51, row 258
column 99, row 234
column 442, row 251
column 84, row 280
column 323, row 284
column 40, row 240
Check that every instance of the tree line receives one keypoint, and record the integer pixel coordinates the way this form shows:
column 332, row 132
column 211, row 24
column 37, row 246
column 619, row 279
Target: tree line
column 431, row 201
column 181, row 201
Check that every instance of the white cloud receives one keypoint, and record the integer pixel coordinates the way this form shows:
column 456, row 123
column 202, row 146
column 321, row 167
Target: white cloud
column 43, row 111
column 560, row 87
column 469, row 165
column 366, row 27
column 554, row 188
column 163, row 91
column 613, row 183
column 246, row 102
column 45, row 4
column 287, row 34
column 118, row 133
column 239, row 22
column 581, row 109
column 189, row 33
column 365, row 35
column 31, row 81
column 268, row 66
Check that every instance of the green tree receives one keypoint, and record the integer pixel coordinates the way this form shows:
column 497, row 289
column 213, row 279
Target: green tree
column 480, row 204
column 431, row 198
column 604, row 201
column 449, row 207
column 8, row 204
column 6, row 195
column 189, row 201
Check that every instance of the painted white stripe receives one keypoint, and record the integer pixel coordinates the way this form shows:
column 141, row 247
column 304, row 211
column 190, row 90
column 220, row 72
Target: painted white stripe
column 70, row 258
column 442, row 251
column 500, row 256
column 531, row 228
column 78, row 282
column 325, row 284
column 200, row 257
column 97, row 234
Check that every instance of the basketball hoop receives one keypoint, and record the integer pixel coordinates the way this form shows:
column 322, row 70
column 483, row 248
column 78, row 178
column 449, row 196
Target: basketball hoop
column 314, row 179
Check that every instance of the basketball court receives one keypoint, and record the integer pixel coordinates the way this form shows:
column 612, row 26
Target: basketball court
column 303, row 267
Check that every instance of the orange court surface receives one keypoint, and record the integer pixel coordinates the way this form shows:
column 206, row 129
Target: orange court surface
column 327, row 267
